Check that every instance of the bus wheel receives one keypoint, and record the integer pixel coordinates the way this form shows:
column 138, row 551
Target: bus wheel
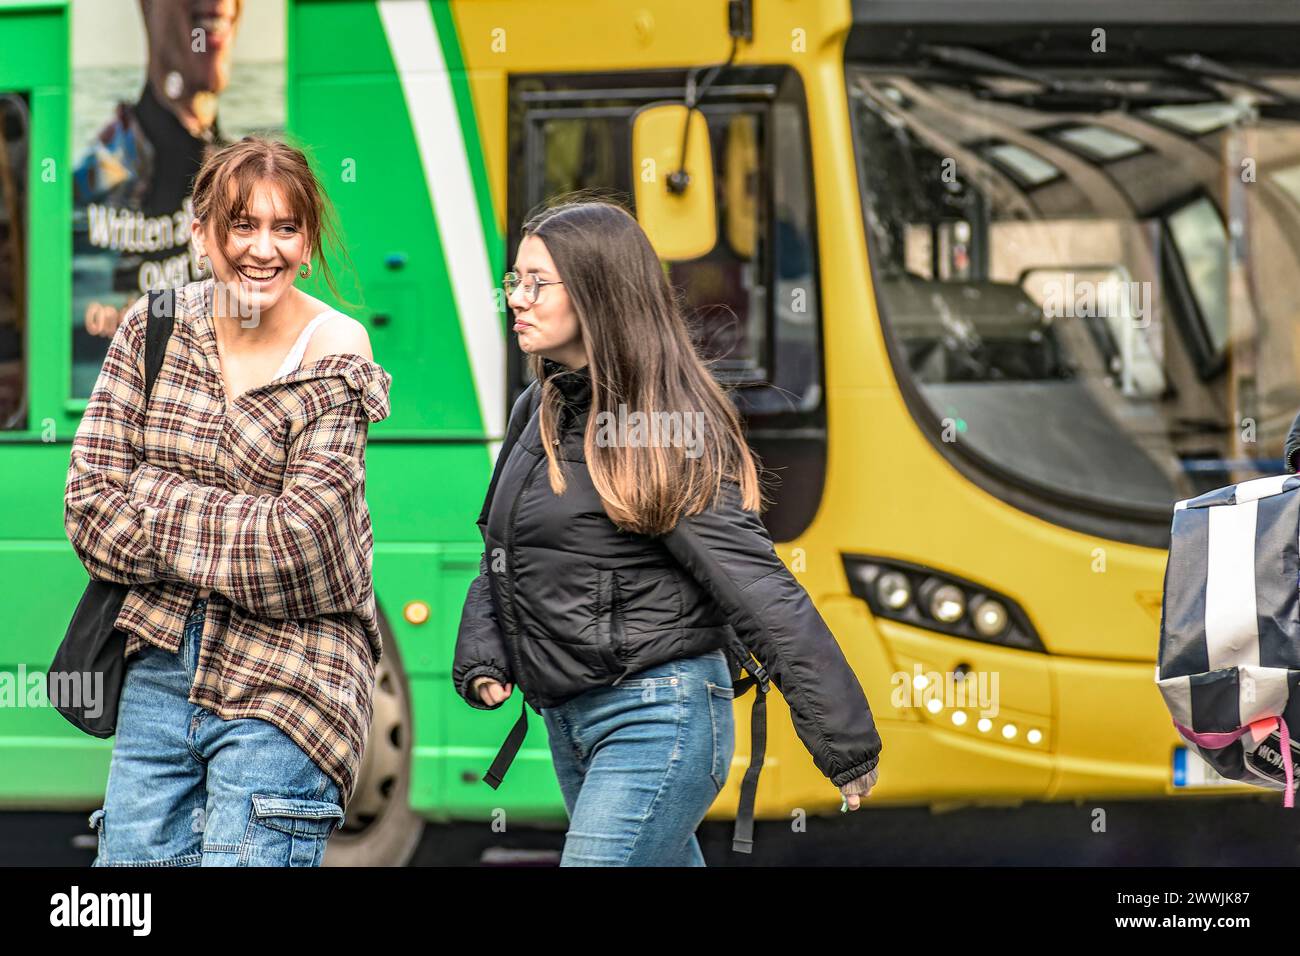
column 381, row 829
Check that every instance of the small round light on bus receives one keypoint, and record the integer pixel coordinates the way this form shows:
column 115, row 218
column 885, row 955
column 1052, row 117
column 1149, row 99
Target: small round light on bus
column 416, row 612
column 934, row 705
column 984, row 725
column 1009, row 731
column 959, row 717
column 990, row 618
column 894, row 590
column 1034, row 736
column 947, row 604
column 920, row 682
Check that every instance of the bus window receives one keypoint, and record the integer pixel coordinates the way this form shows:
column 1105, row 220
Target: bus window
column 797, row 372
column 1201, row 245
column 587, row 151
column 765, row 208
column 725, row 289
column 1071, row 316
column 752, row 301
column 582, row 153
column 14, row 131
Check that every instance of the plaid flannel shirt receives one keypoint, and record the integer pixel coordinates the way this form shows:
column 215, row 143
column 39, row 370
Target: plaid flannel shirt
column 263, row 503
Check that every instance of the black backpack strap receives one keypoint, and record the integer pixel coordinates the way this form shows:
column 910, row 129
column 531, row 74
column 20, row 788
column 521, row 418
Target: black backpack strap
column 506, row 755
column 743, row 838
column 515, row 739
column 159, row 321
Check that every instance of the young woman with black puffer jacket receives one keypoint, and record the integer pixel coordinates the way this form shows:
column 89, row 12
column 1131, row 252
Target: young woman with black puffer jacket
column 624, row 556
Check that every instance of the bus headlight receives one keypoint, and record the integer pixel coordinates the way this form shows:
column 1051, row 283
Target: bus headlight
column 945, row 602
column 894, row 590
column 916, row 595
column 990, row 618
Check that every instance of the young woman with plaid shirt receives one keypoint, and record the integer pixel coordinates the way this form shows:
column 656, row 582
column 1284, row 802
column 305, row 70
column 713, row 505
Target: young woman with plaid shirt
column 234, row 504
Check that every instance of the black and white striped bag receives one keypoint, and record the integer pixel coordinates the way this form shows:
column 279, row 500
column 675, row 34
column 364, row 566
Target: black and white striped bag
column 1229, row 659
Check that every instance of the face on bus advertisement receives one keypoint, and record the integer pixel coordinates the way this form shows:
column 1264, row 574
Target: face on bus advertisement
column 174, row 28
column 159, row 84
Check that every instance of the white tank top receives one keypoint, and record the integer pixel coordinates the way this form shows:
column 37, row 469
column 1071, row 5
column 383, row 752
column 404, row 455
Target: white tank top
column 294, row 358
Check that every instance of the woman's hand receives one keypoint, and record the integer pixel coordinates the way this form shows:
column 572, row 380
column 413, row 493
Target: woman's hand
column 102, row 319
column 492, row 692
column 855, row 790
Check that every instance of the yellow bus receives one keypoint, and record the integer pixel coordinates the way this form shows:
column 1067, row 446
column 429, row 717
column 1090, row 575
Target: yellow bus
column 1000, row 282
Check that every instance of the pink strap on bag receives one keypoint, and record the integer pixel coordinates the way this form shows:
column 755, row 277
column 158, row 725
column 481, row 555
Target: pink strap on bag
column 1260, row 728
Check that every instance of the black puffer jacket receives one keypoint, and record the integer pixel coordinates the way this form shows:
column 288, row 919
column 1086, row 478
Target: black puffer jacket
column 565, row 601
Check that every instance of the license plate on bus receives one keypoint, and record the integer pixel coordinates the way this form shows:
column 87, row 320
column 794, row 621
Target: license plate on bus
column 1191, row 771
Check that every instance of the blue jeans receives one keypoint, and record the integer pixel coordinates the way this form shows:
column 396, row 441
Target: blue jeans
column 187, row 788
column 640, row 763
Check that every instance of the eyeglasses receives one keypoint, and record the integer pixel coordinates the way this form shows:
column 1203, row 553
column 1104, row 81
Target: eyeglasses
column 531, row 285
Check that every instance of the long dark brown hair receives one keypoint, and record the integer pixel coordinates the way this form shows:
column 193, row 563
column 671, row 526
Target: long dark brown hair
column 639, row 354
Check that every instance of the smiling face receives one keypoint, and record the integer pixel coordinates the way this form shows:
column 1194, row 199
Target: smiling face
column 171, row 25
column 263, row 251
column 548, row 327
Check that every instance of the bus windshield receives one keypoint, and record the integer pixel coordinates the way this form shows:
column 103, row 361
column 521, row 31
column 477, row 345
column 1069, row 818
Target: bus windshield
column 1092, row 297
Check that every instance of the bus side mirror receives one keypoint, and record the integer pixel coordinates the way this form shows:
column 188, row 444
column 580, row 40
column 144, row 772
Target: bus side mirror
column 674, row 203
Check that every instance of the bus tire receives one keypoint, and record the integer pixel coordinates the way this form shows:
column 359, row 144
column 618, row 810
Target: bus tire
column 380, row 828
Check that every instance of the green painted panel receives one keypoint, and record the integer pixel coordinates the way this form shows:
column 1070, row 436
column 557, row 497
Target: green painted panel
column 365, row 151
column 33, row 45
column 425, row 492
column 334, row 37
column 45, row 774
column 29, row 6
column 447, row 781
column 31, row 495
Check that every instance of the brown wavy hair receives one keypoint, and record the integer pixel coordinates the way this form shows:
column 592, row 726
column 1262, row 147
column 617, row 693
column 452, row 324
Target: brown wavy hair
column 640, row 354
column 255, row 159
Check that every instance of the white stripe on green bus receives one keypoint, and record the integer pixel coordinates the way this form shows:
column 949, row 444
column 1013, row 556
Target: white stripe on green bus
column 421, row 69
column 453, row 55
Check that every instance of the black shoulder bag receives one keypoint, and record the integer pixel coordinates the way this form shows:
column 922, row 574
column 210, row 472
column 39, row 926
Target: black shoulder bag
column 84, row 681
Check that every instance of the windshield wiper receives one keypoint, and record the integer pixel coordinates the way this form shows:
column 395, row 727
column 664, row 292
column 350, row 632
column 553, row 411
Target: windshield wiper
column 988, row 63
column 1203, row 66
column 1286, row 107
column 1059, row 92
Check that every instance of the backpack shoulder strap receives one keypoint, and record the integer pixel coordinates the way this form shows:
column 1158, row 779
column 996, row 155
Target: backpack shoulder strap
column 740, row 658
column 159, row 321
